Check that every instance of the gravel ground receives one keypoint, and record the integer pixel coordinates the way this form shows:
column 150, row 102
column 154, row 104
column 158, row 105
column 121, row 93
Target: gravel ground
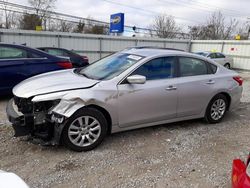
column 185, row 154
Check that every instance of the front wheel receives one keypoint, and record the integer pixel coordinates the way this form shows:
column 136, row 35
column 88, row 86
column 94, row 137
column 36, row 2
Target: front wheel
column 85, row 130
column 216, row 109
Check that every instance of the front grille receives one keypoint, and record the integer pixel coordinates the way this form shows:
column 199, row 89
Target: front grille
column 24, row 105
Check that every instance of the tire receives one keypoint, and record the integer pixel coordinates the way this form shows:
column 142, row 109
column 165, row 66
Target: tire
column 218, row 105
column 85, row 130
column 227, row 65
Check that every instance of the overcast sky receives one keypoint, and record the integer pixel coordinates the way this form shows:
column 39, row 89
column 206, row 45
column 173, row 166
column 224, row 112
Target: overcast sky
column 142, row 12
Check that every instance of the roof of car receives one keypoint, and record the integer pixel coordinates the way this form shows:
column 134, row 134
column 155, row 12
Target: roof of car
column 147, row 52
column 51, row 48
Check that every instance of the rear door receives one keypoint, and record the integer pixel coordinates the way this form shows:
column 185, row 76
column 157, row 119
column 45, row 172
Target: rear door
column 195, row 86
column 12, row 67
column 153, row 101
column 38, row 63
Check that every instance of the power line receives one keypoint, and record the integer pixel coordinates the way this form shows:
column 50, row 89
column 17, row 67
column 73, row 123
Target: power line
column 51, row 12
column 147, row 11
column 22, row 9
column 197, row 7
column 106, row 24
column 225, row 9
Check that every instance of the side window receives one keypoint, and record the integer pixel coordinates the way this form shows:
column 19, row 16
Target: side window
column 159, row 68
column 212, row 56
column 67, row 54
column 12, row 53
column 55, row 52
column 192, row 67
column 33, row 55
column 219, row 55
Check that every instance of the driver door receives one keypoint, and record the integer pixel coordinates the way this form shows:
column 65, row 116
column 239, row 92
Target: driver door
column 151, row 102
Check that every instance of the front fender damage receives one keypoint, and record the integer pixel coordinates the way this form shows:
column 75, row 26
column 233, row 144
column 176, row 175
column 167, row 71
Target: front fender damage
column 68, row 107
column 52, row 111
column 68, row 104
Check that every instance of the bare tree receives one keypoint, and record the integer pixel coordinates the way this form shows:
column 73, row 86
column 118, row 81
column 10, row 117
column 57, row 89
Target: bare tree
column 215, row 28
column 10, row 17
column 243, row 30
column 65, row 26
column 29, row 21
column 42, row 8
column 165, row 26
column 93, row 28
column 79, row 27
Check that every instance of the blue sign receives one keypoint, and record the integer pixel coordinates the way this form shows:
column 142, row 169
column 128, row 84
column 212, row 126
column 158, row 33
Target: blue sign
column 117, row 23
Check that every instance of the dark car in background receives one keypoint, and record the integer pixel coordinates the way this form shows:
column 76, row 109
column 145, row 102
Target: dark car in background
column 76, row 59
column 18, row 62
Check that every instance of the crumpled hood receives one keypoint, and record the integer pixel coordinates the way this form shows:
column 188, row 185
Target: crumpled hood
column 52, row 82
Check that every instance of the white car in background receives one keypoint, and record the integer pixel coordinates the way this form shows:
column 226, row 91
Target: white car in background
column 11, row 180
column 218, row 58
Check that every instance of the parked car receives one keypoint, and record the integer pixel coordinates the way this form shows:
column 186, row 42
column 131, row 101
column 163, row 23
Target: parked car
column 218, row 58
column 18, row 62
column 76, row 59
column 241, row 173
column 11, row 180
column 134, row 88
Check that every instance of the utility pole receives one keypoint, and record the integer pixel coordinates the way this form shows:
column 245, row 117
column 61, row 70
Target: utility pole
column 248, row 32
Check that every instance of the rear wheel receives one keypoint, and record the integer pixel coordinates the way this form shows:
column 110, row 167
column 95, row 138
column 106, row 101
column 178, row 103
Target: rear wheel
column 227, row 65
column 216, row 109
column 85, row 130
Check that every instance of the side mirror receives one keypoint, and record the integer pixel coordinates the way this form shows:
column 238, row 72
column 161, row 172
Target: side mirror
column 136, row 79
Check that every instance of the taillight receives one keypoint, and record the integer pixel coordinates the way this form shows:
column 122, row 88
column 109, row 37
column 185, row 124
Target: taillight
column 238, row 79
column 85, row 58
column 65, row 64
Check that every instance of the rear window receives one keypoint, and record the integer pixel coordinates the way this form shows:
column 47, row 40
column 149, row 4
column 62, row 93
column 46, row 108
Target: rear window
column 192, row 67
column 213, row 68
column 219, row 55
column 202, row 53
column 56, row 52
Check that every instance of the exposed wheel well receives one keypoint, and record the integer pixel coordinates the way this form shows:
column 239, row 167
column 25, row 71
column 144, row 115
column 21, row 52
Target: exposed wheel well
column 105, row 113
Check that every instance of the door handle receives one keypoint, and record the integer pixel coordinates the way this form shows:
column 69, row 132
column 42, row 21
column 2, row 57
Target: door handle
column 210, row 82
column 169, row 88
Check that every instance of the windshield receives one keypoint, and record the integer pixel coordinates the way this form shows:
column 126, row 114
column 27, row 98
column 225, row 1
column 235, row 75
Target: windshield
column 109, row 67
column 202, row 53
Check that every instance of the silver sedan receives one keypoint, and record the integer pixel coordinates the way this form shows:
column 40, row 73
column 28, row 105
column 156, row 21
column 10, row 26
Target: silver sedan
column 220, row 58
column 137, row 87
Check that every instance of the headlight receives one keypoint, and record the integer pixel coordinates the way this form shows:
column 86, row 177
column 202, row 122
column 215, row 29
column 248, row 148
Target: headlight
column 57, row 118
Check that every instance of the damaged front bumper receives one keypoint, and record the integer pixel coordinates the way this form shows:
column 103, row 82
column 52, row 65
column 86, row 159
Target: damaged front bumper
column 17, row 119
column 36, row 124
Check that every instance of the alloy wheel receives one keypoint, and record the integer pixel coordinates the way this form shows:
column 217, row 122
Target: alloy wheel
column 84, row 131
column 218, row 109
